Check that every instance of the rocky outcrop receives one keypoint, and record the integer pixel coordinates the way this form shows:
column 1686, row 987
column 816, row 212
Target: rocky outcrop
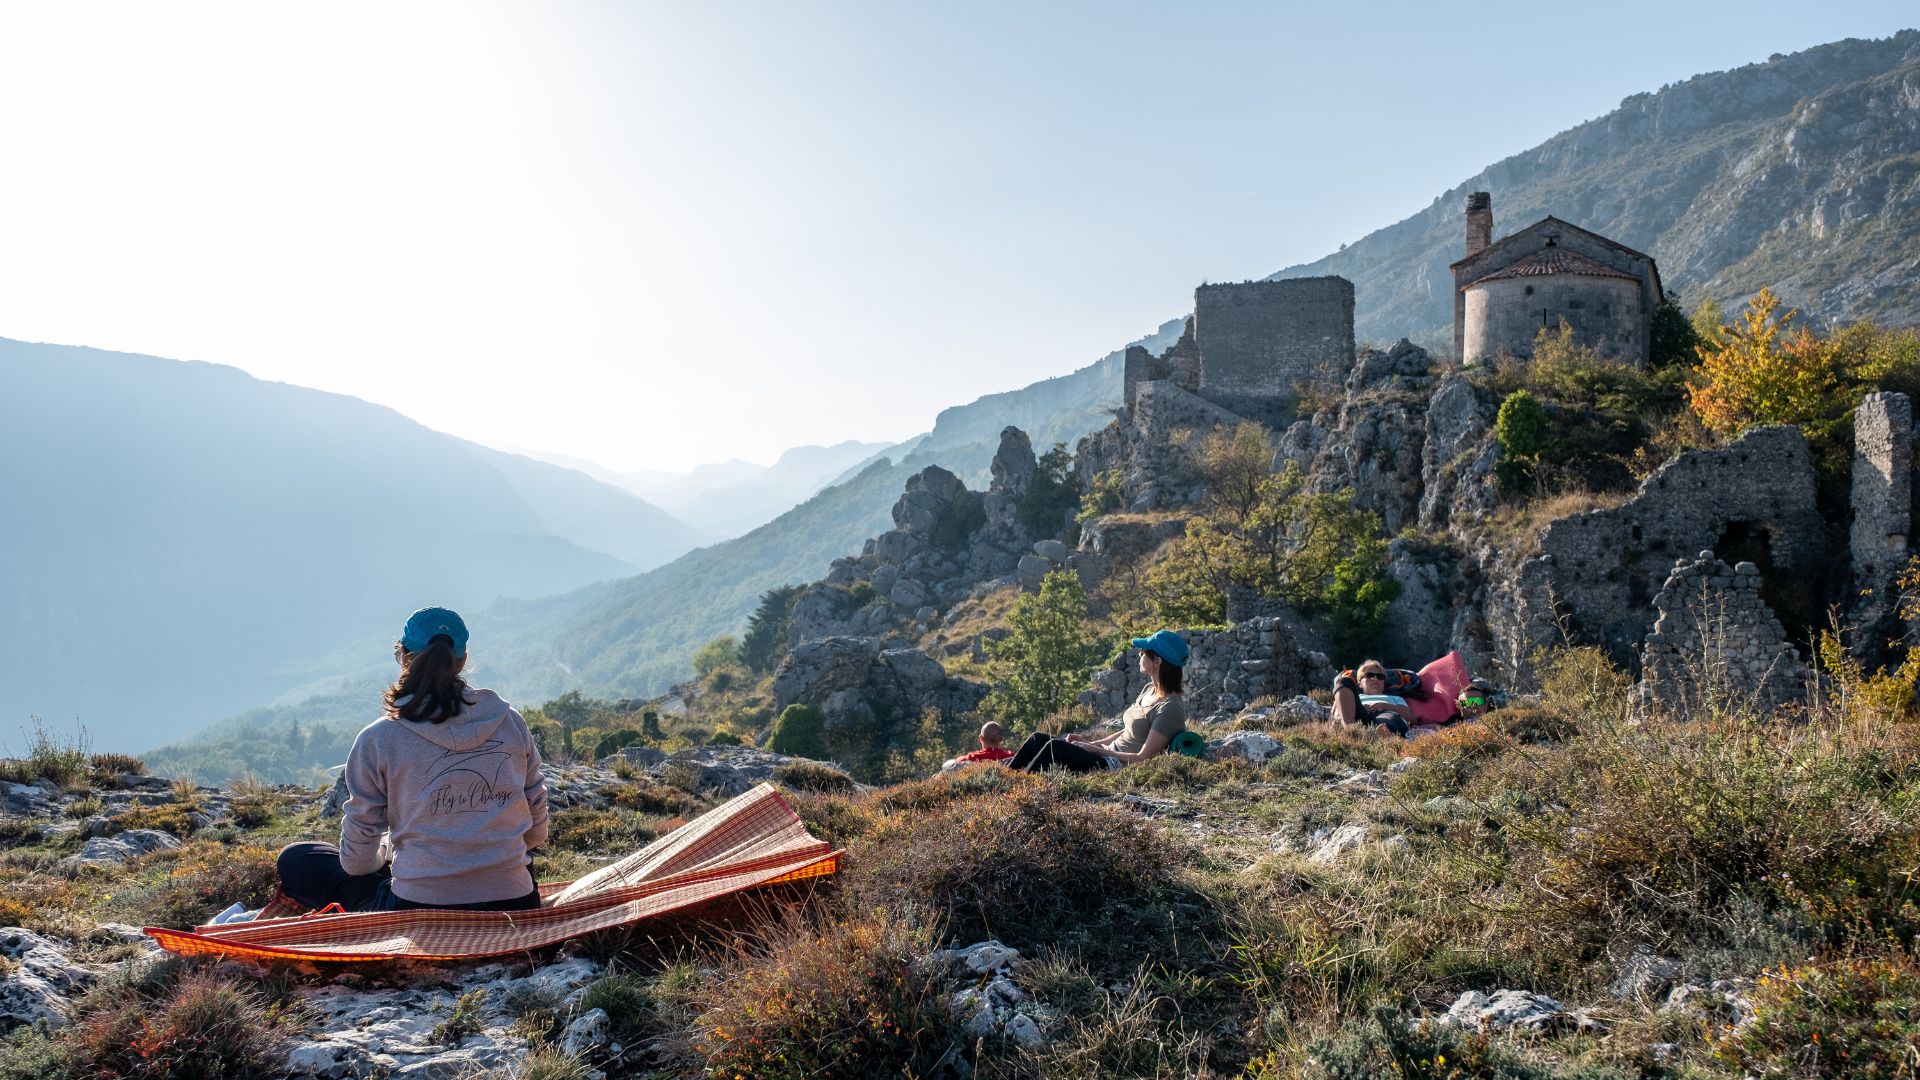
column 42, row 984
column 946, row 543
column 871, row 697
column 1372, row 445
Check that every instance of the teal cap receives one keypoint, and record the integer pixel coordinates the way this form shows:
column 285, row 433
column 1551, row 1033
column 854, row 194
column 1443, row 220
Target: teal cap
column 1165, row 644
column 429, row 623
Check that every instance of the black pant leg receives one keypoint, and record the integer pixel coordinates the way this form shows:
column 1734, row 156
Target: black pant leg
column 311, row 873
column 1061, row 754
column 1028, row 750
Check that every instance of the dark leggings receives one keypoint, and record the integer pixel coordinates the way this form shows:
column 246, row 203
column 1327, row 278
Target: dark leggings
column 311, row 874
column 1378, row 715
column 1043, row 751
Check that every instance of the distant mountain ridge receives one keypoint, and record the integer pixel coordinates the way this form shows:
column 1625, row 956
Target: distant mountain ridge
column 1801, row 172
column 181, row 536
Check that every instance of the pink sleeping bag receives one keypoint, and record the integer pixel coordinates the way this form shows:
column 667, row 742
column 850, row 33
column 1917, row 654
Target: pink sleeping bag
column 1443, row 680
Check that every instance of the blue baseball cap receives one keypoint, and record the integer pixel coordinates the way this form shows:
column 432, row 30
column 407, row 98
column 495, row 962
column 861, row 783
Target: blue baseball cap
column 429, row 623
column 1166, row 645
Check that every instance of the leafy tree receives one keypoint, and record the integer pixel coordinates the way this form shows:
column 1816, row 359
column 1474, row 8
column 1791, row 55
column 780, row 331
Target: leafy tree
column 1054, row 492
column 765, row 641
column 1234, row 467
column 799, row 731
column 1674, row 337
column 1763, row 370
column 1316, row 550
column 714, row 655
column 1043, row 661
column 1521, row 429
column 1107, row 494
column 1709, row 322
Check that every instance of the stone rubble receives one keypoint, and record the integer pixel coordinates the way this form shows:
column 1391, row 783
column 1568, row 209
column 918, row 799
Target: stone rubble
column 993, row 1006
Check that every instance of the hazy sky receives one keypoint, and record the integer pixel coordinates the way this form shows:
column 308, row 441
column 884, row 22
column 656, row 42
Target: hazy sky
column 658, row 234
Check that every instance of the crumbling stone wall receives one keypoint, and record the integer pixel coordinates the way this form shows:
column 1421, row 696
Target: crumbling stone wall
column 1714, row 635
column 1151, row 443
column 1882, row 504
column 1225, row 670
column 1256, row 339
column 1601, row 569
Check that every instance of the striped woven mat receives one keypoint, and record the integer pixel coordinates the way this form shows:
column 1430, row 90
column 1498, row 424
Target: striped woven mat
column 747, row 842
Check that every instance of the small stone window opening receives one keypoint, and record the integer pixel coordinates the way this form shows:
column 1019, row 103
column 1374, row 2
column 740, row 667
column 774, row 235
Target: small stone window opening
column 1575, row 305
column 1606, row 311
column 1529, row 291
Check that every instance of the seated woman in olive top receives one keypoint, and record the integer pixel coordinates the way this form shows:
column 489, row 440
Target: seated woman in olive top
column 1145, row 728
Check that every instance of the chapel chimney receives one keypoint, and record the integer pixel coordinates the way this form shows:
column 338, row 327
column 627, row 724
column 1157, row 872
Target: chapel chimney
column 1479, row 222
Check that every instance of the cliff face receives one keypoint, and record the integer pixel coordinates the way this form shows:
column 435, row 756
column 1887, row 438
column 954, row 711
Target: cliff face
column 1802, row 173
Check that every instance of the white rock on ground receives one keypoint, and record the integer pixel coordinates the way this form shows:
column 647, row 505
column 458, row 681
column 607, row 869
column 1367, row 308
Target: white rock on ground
column 993, row 1006
column 114, row 850
column 1252, row 746
column 588, row 1031
column 1338, row 844
column 1502, row 1011
column 390, row 1031
column 43, row 985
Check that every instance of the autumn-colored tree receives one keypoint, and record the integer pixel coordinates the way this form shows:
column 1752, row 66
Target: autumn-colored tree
column 1764, row 370
column 1232, row 466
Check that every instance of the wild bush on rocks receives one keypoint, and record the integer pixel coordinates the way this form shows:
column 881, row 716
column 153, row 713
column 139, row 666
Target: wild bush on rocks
column 848, row 998
column 203, row 1026
column 1856, row 1017
column 180, row 889
column 1024, row 865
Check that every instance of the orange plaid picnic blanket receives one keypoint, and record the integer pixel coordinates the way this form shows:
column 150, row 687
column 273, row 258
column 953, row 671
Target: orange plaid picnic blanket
column 753, row 840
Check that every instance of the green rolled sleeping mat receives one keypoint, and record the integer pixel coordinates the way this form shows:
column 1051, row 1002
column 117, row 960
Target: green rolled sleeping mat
column 1189, row 743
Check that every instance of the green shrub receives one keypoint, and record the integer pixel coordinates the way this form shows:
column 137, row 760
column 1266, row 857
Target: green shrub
column 765, row 641
column 1053, row 493
column 1107, row 494
column 954, row 530
column 800, row 731
column 464, row 1020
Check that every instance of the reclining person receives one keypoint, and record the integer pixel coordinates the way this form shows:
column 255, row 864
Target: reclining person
column 1146, row 728
column 1377, row 695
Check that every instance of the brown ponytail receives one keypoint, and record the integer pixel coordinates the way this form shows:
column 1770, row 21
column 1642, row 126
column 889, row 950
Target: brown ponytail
column 429, row 687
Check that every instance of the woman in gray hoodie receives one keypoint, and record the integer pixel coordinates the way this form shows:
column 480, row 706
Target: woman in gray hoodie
column 445, row 798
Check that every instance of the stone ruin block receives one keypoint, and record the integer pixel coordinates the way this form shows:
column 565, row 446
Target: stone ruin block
column 1882, row 506
column 1714, row 635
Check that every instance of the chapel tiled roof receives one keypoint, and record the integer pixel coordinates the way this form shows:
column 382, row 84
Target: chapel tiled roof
column 1554, row 260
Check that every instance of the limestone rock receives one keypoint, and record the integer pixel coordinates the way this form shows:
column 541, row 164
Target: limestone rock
column 114, row 850
column 1051, row 550
column 1253, row 747
column 1032, row 569
column 588, row 1032
column 1504, row 1010
column 43, row 985
column 1338, row 844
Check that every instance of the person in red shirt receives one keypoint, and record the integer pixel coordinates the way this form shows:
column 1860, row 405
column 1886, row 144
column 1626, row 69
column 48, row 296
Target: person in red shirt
column 991, row 736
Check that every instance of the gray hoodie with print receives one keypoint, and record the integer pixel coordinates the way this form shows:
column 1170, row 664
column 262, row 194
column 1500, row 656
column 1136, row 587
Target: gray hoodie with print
column 459, row 804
